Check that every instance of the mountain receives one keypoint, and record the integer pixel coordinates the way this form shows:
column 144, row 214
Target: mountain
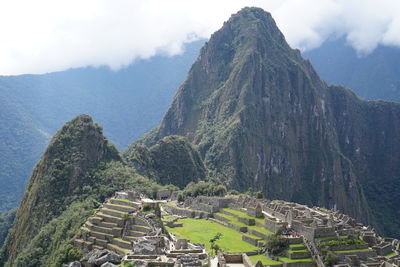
column 172, row 160
column 373, row 76
column 77, row 172
column 262, row 118
column 128, row 102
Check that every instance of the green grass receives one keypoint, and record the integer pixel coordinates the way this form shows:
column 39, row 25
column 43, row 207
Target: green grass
column 232, row 219
column 253, row 236
column 260, row 229
column 286, row 259
column 297, row 245
column 299, row 251
column 201, row 231
column 238, row 213
column 391, row 254
column 327, row 238
column 264, row 260
column 353, row 250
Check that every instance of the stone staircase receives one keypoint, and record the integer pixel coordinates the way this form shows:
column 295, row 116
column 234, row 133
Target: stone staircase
column 115, row 226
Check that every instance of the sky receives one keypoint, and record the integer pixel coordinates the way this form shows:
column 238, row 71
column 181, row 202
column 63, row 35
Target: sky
column 51, row 35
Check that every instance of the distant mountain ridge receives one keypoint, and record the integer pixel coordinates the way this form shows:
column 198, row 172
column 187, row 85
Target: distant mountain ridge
column 373, row 76
column 128, row 102
column 262, row 118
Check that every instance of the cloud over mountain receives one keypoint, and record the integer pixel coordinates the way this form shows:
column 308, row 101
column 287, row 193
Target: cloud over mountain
column 44, row 36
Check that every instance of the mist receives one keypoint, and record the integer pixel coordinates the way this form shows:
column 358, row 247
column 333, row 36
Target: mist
column 46, row 36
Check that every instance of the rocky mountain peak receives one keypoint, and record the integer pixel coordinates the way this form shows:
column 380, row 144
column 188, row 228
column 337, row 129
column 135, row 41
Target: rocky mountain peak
column 262, row 118
column 74, row 151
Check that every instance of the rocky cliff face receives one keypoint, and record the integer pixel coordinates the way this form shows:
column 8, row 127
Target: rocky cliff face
column 73, row 153
column 262, row 118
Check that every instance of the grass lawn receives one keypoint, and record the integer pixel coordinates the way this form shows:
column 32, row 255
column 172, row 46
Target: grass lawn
column 286, row 259
column 297, row 246
column 391, row 254
column 353, row 250
column 260, row 229
column 329, row 238
column 232, row 219
column 299, row 251
column 201, row 231
column 264, row 260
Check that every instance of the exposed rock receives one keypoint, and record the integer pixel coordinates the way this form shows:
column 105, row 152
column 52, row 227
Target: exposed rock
column 110, row 257
column 262, row 118
column 109, row 264
column 75, row 264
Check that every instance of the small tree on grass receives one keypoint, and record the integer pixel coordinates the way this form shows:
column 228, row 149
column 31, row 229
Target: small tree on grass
column 276, row 244
column 215, row 247
column 330, row 258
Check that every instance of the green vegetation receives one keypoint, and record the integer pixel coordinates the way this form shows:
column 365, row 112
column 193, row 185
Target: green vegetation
column 286, row 259
column 60, row 195
column 296, row 246
column 34, row 106
column 260, row 229
column 6, row 221
column 276, row 244
column 346, row 242
column 330, row 259
column 327, row 238
column 391, row 254
column 298, row 250
column 264, row 260
column 354, row 250
column 202, row 188
column 201, row 231
column 172, row 160
column 215, row 247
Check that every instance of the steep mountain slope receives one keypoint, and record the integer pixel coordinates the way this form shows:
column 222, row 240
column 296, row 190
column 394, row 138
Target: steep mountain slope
column 374, row 76
column 262, row 118
column 21, row 143
column 79, row 169
column 64, row 168
column 172, row 160
column 127, row 102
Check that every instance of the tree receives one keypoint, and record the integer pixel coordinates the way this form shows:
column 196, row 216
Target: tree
column 330, row 258
column 276, row 244
column 214, row 246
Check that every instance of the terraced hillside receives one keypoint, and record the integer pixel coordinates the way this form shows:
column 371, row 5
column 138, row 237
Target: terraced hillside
column 242, row 230
column 115, row 226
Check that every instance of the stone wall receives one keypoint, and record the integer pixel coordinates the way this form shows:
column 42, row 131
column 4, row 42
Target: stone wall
column 185, row 212
column 272, row 224
column 233, row 257
column 324, row 231
column 250, row 240
column 219, row 202
column 383, row 249
column 348, row 247
column 247, row 221
column 299, row 264
column 364, row 255
column 196, row 205
column 298, row 255
column 256, row 233
column 246, row 261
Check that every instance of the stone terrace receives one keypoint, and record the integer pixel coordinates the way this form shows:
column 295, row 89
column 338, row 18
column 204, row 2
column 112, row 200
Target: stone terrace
column 115, row 226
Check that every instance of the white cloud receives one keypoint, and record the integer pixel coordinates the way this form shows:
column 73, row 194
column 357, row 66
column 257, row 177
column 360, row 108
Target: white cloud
column 49, row 35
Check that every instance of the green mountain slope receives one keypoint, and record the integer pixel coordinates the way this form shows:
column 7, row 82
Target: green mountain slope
column 262, row 118
column 128, row 102
column 79, row 169
column 172, row 160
